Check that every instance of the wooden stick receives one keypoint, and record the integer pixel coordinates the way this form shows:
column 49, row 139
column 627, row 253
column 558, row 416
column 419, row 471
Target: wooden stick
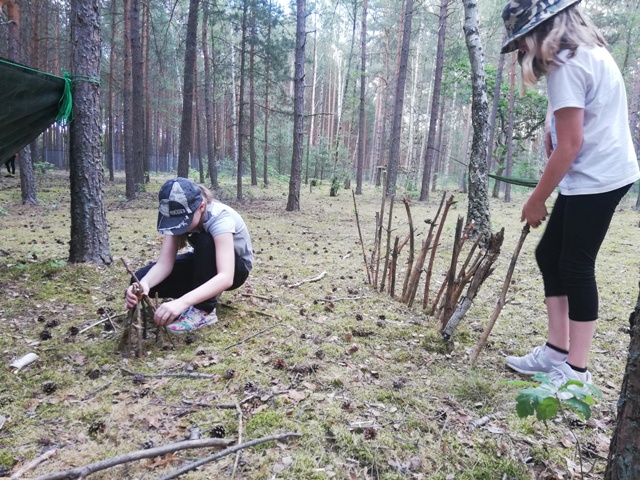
column 81, row 472
column 235, row 464
column 251, row 336
column 364, row 254
column 100, row 322
column 502, row 298
column 447, row 304
column 33, row 464
column 175, row 375
column 309, row 280
column 436, row 240
column 223, row 453
column 388, row 249
column 407, row 206
column 393, row 268
column 261, row 297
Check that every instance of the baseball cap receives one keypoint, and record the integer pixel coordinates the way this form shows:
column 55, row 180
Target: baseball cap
column 179, row 199
column 522, row 16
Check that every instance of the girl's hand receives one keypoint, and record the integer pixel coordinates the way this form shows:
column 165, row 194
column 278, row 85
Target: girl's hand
column 548, row 143
column 534, row 212
column 132, row 296
column 169, row 311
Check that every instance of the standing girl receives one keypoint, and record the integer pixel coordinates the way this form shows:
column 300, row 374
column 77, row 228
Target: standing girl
column 220, row 259
column 591, row 160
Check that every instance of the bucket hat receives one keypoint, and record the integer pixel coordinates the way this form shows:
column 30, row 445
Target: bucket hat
column 179, row 199
column 522, row 16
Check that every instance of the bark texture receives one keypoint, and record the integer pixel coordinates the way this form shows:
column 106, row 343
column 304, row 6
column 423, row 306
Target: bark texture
column 293, row 202
column 478, row 206
column 624, row 451
column 89, row 233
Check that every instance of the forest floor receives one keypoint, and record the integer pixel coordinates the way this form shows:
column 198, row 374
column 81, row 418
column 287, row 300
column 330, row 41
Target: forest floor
column 365, row 380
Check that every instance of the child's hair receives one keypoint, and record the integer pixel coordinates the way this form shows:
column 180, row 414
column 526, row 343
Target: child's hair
column 207, row 197
column 565, row 31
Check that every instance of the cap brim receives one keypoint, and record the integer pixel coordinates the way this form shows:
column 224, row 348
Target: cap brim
column 174, row 225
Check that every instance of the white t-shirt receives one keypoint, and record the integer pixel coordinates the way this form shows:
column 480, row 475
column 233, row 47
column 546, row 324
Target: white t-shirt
column 221, row 218
column 592, row 81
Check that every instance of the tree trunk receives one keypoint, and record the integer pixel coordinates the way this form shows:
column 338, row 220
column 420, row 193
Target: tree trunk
column 293, row 202
column 361, row 117
column 241, row 119
column 494, row 106
column 512, row 115
column 312, row 104
column 89, row 229
column 112, row 69
column 149, row 144
column 435, row 101
column 634, row 117
column 27, row 176
column 208, row 103
column 186, row 125
column 137, row 105
column 129, row 161
column 478, row 204
column 252, row 102
column 394, row 151
column 624, row 451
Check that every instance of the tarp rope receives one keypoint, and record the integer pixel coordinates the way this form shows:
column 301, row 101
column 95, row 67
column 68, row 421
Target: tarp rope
column 32, row 101
column 522, row 182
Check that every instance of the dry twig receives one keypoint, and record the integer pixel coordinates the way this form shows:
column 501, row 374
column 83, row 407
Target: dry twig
column 33, row 464
column 309, row 280
column 251, row 336
column 364, row 254
column 224, row 453
column 175, row 375
column 81, row 472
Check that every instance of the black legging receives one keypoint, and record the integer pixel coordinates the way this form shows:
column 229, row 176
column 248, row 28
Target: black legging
column 569, row 246
column 190, row 270
column 10, row 163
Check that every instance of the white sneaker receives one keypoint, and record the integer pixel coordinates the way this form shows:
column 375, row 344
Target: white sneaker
column 561, row 374
column 535, row 362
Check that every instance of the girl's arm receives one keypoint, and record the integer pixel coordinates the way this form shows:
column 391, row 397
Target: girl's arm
column 569, row 124
column 225, row 264
column 157, row 273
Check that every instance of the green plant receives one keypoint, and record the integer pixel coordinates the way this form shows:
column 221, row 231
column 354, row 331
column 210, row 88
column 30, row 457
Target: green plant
column 546, row 401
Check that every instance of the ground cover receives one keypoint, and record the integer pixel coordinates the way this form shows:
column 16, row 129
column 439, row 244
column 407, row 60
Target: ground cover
column 365, row 380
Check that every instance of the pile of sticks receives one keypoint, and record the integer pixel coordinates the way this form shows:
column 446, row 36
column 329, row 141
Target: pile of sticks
column 462, row 281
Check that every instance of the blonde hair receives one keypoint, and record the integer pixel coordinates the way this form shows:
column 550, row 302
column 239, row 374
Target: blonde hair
column 567, row 30
column 207, row 197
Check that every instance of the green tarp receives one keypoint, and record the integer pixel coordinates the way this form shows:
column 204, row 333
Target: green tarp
column 30, row 101
column 522, row 182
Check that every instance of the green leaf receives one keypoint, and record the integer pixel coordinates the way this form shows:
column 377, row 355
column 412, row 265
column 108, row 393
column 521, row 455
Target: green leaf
column 581, row 408
column 524, row 408
column 547, row 408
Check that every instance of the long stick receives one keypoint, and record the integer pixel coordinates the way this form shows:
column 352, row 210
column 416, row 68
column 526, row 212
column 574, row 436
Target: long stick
column 228, row 451
column 235, row 464
column 33, row 464
column 386, row 257
column 252, row 336
column 427, row 282
column 502, row 299
column 407, row 205
column 81, row 472
column 174, row 375
column 364, row 255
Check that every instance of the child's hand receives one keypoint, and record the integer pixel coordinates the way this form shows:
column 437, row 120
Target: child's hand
column 534, row 213
column 169, row 311
column 133, row 295
column 548, row 143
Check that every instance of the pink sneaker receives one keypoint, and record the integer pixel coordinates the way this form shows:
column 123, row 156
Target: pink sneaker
column 192, row 319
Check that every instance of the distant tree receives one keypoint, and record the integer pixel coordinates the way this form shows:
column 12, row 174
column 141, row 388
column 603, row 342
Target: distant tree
column 429, row 152
column 186, row 125
column 394, row 151
column 363, row 81
column 127, row 100
column 241, row 109
column 295, row 180
column 208, row 102
column 27, row 176
column 89, row 229
column 138, row 97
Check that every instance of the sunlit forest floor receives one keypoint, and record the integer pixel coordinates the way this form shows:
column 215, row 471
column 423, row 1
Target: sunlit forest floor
column 363, row 379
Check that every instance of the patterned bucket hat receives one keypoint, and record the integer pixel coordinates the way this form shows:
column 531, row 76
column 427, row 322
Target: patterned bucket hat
column 522, row 16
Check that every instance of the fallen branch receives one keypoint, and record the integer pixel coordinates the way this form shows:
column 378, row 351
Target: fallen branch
column 235, row 464
column 33, row 464
column 502, row 298
column 101, row 321
column 309, row 280
column 251, row 336
column 81, row 472
column 161, row 375
column 224, row 453
column 340, row 299
column 261, row 297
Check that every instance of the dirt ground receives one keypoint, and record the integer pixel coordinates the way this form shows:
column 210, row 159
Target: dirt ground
column 306, row 346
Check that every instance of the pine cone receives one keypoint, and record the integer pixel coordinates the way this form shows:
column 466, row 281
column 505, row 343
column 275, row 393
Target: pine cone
column 218, row 431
